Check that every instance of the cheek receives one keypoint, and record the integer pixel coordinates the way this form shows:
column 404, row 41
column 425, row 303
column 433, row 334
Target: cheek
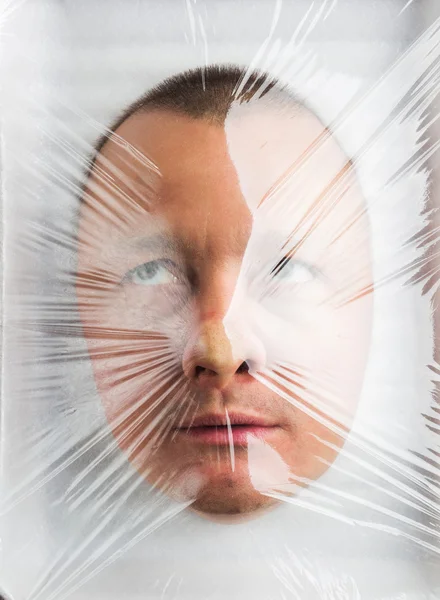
column 326, row 348
column 135, row 342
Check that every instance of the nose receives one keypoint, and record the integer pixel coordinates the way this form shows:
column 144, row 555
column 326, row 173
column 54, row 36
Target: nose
column 209, row 358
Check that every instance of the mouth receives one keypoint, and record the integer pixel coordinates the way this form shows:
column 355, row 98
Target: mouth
column 223, row 430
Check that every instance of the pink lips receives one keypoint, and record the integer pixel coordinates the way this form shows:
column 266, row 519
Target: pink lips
column 214, row 429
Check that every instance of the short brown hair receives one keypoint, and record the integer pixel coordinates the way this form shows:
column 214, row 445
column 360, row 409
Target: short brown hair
column 204, row 93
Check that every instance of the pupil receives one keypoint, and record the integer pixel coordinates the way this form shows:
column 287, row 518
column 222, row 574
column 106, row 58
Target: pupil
column 149, row 270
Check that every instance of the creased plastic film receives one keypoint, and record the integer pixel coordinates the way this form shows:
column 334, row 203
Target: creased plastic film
column 219, row 300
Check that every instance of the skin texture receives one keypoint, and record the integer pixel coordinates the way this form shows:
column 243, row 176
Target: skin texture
column 220, row 209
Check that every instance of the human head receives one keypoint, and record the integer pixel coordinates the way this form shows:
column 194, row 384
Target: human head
column 223, row 278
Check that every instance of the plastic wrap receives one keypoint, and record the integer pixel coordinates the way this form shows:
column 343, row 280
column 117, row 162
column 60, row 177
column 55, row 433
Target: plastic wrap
column 219, row 300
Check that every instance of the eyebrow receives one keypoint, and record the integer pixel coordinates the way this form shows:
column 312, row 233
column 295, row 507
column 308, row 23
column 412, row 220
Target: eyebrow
column 156, row 241
column 166, row 242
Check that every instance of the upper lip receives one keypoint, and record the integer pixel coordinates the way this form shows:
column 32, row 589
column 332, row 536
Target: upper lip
column 221, row 420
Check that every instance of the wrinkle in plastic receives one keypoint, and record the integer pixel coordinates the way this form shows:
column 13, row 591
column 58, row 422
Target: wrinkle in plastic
column 219, row 301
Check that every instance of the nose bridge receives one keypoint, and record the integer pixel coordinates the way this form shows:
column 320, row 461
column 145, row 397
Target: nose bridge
column 212, row 351
column 209, row 350
column 217, row 289
column 222, row 342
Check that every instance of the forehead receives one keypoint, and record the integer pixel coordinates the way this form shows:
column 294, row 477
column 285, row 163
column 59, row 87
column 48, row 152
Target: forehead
column 279, row 162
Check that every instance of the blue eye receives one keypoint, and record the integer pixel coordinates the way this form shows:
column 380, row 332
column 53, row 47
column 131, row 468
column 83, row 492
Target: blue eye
column 154, row 272
column 293, row 271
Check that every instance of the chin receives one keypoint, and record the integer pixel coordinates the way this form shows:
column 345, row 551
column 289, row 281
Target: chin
column 230, row 493
column 214, row 490
column 231, row 501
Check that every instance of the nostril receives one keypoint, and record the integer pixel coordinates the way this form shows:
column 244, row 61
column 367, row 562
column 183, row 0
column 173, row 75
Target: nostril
column 243, row 368
column 199, row 370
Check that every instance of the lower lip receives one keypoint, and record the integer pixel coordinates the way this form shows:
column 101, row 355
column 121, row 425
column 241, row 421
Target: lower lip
column 222, row 435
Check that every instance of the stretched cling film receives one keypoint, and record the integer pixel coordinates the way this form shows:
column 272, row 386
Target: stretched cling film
column 219, row 300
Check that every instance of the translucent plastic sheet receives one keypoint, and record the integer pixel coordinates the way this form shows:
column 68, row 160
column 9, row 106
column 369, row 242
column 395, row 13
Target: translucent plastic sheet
column 219, row 300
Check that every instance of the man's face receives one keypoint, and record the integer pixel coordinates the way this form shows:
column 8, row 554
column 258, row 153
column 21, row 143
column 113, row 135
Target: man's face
column 223, row 285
